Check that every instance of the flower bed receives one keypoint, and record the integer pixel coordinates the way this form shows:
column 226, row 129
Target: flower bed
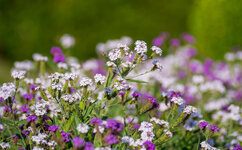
column 132, row 98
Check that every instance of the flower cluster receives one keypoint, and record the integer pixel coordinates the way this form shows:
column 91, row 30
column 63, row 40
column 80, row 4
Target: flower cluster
column 136, row 101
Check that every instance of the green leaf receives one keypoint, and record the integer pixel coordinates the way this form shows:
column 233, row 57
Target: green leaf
column 7, row 122
column 69, row 122
column 22, row 122
column 137, row 81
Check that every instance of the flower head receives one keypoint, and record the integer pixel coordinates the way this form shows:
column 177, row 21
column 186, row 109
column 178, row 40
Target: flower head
column 214, row 128
column 78, row 141
column 111, row 139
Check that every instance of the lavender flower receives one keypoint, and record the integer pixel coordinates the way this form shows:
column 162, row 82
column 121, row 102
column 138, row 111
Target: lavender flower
column 111, row 139
column 25, row 108
column 54, row 128
column 28, row 96
column 59, row 58
column 65, row 136
column 175, row 42
column 78, row 141
column 96, row 121
column 114, row 125
column 149, row 145
column 56, row 50
column 203, row 125
column 32, row 118
column 88, row 146
column 214, row 128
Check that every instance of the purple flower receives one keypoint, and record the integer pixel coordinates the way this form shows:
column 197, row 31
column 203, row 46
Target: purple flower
column 32, row 87
column 25, row 108
column 188, row 38
column 136, row 126
column 21, row 149
column 56, row 50
column 65, row 136
column 203, row 125
column 88, row 146
column 191, row 52
column 175, row 42
column 6, row 108
column 207, row 69
column 181, row 74
column 111, row 139
column 237, row 147
column 158, row 41
column 153, row 101
column 149, row 145
column 72, row 90
column 54, row 128
column 59, row 58
column 136, row 94
column 78, row 141
column 32, row 118
column 28, row 96
column 96, row 121
column 1, row 99
column 214, row 128
column 114, row 125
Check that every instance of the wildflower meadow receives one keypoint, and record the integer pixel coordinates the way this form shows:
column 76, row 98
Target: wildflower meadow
column 134, row 96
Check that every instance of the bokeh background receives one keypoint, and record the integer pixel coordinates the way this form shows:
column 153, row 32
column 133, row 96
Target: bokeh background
column 28, row 26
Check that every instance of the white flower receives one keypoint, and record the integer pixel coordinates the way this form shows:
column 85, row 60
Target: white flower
column 177, row 100
column 56, row 76
column 157, row 65
column 124, row 47
column 4, row 145
column 157, row 50
column 38, row 148
column 168, row 133
column 18, row 74
column 85, row 81
column 146, row 126
column 100, row 79
column 62, row 65
column 24, row 65
column 82, row 128
column 52, row 144
column 70, row 76
column 39, row 57
column 7, row 90
column 147, row 136
column 230, row 56
column 110, row 64
column 127, row 139
column 140, row 47
column 190, row 109
column 198, row 79
column 1, row 127
column 40, row 138
column 206, row 146
column 114, row 54
column 67, row 41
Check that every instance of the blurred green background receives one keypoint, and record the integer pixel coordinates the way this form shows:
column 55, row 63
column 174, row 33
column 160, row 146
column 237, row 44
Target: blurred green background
column 28, row 26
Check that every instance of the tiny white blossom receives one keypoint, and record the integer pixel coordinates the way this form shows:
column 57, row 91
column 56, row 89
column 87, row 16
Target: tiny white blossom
column 4, row 145
column 99, row 78
column 62, row 65
column 114, row 54
column 140, row 47
column 39, row 57
column 18, row 74
column 85, row 81
column 190, row 109
column 82, row 128
column 67, row 41
column 206, row 146
column 157, row 50
column 110, row 64
column 177, row 100
column 24, row 65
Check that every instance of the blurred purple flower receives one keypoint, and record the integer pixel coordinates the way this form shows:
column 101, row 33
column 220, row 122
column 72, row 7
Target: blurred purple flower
column 149, row 145
column 88, row 146
column 175, row 42
column 59, row 58
column 111, row 139
column 214, row 128
column 31, row 118
column 25, row 108
column 56, row 50
column 96, row 121
column 28, row 96
column 54, row 128
column 65, row 136
column 78, row 141
column 188, row 38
